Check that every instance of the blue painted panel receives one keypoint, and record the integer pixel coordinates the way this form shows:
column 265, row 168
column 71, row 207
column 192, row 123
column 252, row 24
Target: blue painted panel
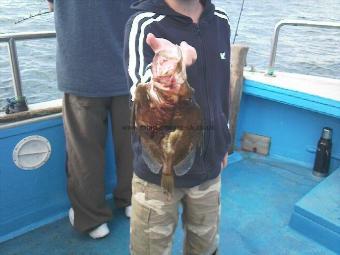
column 30, row 127
column 322, row 203
column 295, row 98
column 316, row 215
column 294, row 131
column 317, row 232
column 31, row 198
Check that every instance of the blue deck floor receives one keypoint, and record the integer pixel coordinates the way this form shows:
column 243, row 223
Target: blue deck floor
column 258, row 196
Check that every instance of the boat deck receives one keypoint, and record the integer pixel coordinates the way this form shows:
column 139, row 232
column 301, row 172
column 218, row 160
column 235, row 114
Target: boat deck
column 258, row 197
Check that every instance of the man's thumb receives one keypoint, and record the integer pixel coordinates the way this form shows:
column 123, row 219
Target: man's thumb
column 152, row 42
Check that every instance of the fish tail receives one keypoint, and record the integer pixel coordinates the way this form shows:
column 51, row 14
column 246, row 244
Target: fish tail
column 167, row 182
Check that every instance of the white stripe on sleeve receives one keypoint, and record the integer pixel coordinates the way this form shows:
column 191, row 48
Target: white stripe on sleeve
column 141, row 40
column 132, row 45
column 222, row 16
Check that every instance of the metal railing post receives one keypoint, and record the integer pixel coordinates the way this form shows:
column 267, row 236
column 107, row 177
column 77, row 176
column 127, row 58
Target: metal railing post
column 15, row 68
column 306, row 23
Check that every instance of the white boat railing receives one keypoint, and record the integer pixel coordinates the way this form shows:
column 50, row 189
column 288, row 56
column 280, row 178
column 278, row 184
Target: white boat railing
column 11, row 39
column 291, row 22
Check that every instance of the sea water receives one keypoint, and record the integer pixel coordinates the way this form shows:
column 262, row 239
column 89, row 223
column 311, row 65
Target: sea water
column 305, row 50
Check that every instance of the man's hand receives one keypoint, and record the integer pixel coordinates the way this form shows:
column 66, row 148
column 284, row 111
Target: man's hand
column 159, row 44
column 224, row 162
column 50, row 6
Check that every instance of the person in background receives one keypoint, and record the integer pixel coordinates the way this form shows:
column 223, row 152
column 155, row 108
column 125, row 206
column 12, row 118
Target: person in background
column 155, row 213
column 90, row 72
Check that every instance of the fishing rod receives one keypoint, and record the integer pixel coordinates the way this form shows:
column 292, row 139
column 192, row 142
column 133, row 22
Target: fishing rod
column 41, row 12
column 238, row 21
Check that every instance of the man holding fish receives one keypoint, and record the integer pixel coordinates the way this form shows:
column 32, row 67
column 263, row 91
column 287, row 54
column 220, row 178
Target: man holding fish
column 177, row 60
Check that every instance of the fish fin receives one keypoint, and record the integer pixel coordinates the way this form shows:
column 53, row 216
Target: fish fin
column 150, row 160
column 182, row 167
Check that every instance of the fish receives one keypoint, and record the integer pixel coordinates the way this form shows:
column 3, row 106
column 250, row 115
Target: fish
column 167, row 117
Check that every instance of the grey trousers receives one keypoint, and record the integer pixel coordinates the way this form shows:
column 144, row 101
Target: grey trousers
column 85, row 124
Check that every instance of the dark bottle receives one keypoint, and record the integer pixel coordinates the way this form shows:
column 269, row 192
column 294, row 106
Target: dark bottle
column 323, row 153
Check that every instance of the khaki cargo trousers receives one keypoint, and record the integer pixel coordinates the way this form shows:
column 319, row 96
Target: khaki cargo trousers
column 155, row 215
column 85, row 125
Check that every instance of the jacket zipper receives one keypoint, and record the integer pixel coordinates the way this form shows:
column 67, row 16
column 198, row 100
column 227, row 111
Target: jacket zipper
column 206, row 133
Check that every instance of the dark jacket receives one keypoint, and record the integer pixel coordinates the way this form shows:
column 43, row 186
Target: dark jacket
column 90, row 36
column 209, row 76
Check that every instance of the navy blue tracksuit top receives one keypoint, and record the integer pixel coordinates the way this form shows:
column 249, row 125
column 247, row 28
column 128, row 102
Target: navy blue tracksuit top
column 209, row 76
